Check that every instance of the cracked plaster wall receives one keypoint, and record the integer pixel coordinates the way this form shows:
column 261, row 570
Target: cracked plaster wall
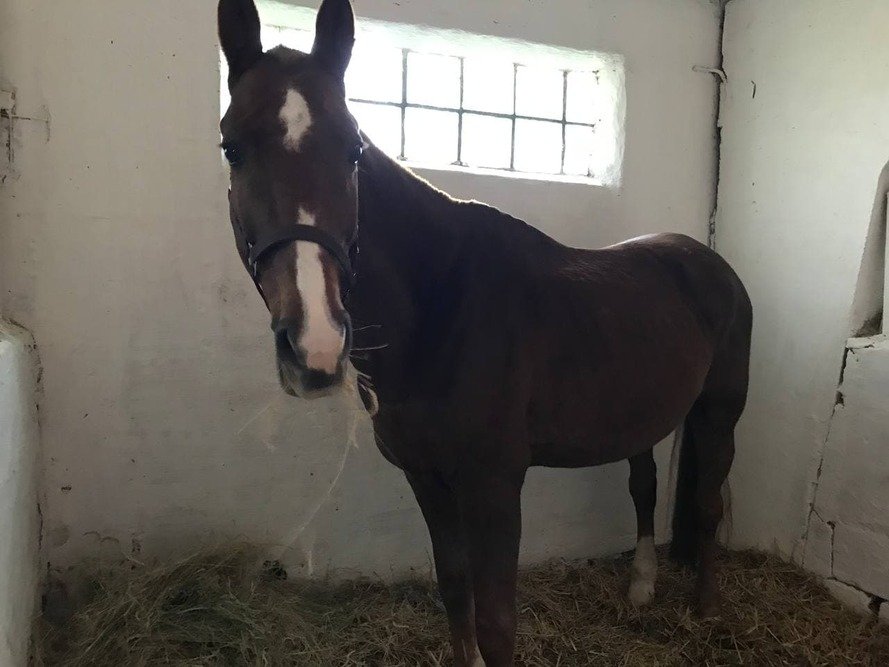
column 848, row 536
column 804, row 141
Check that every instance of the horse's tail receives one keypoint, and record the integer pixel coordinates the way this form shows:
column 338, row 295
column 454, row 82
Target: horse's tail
column 686, row 528
column 684, row 547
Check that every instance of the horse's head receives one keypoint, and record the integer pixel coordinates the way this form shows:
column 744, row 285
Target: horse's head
column 293, row 147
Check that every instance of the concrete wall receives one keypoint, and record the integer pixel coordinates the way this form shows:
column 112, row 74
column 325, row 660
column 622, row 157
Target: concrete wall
column 847, row 540
column 19, row 515
column 162, row 423
column 805, row 137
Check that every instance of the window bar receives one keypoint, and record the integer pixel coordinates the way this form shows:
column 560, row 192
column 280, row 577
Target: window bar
column 490, row 114
column 454, row 109
column 404, row 59
column 459, row 162
column 404, row 105
column 564, row 117
column 515, row 95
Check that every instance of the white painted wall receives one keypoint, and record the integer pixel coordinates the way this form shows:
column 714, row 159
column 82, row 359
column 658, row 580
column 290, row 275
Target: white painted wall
column 162, row 423
column 848, row 534
column 800, row 163
column 19, row 519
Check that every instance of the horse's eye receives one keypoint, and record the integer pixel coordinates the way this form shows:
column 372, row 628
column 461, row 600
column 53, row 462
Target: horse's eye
column 356, row 153
column 233, row 155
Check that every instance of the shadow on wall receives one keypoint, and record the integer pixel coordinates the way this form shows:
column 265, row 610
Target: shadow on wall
column 868, row 305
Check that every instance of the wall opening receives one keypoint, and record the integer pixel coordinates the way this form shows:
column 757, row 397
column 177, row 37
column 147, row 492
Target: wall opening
column 449, row 100
column 872, row 289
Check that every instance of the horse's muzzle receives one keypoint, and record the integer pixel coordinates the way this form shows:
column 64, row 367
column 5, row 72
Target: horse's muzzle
column 297, row 378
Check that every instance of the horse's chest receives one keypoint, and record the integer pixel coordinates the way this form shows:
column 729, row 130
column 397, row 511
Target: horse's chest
column 415, row 439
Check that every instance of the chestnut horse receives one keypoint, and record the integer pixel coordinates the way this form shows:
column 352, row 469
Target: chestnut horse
column 483, row 346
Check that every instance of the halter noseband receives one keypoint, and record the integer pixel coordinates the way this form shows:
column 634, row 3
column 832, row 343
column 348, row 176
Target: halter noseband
column 252, row 251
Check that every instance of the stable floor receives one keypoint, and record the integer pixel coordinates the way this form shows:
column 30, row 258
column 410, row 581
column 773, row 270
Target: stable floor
column 224, row 608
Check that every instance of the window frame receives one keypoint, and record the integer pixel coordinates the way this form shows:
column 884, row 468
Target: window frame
column 606, row 167
column 462, row 110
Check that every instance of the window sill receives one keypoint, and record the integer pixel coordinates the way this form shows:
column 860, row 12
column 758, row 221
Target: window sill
column 880, row 341
column 511, row 175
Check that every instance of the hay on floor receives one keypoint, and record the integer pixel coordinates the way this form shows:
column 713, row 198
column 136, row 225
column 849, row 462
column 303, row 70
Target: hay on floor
column 219, row 608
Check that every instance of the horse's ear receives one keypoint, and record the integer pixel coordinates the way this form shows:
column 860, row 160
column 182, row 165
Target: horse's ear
column 335, row 36
column 239, row 31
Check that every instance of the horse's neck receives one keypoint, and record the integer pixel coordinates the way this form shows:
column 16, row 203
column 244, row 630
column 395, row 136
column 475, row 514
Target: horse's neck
column 408, row 272
column 396, row 205
column 409, row 231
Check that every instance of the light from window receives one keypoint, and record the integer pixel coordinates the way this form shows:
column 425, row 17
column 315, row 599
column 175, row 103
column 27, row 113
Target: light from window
column 477, row 111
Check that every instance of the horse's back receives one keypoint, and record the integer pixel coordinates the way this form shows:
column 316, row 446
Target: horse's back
column 676, row 262
column 627, row 339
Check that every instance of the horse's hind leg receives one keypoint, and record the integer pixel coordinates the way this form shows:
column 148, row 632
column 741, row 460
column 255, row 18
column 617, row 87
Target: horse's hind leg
column 643, row 488
column 711, row 425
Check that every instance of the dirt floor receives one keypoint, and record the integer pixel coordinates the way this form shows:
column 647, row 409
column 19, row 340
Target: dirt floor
column 223, row 607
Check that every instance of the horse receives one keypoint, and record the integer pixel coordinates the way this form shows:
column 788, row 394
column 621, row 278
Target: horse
column 482, row 346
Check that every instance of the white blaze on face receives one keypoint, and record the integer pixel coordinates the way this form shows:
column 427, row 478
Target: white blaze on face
column 296, row 118
column 321, row 338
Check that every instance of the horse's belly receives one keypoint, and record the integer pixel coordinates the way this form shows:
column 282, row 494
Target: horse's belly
column 600, row 446
column 589, row 426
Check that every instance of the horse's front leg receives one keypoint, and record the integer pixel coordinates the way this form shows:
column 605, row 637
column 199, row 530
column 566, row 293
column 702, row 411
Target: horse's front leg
column 491, row 505
column 450, row 549
column 643, row 488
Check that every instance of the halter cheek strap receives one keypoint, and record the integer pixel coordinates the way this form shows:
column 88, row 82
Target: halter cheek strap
column 252, row 252
column 297, row 232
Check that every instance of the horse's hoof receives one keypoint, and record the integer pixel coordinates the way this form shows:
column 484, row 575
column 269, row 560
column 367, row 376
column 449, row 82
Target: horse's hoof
column 710, row 606
column 641, row 592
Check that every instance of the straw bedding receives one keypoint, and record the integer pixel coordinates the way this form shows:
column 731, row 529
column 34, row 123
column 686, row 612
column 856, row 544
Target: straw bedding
column 223, row 607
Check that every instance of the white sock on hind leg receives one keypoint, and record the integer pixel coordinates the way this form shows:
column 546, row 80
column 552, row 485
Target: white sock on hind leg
column 643, row 573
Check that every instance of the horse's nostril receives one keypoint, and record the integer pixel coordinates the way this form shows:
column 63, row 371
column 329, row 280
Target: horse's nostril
column 293, row 339
column 324, row 356
column 288, row 347
column 314, row 380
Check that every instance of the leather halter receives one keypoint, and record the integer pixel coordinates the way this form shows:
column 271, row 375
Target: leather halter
column 253, row 250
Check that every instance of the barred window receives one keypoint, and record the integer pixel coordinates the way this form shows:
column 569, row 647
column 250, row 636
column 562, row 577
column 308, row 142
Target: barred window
column 489, row 112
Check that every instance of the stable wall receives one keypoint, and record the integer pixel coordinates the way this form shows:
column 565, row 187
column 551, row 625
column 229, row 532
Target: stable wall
column 847, row 538
column 19, row 513
column 162, row 422
column 804, row 141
